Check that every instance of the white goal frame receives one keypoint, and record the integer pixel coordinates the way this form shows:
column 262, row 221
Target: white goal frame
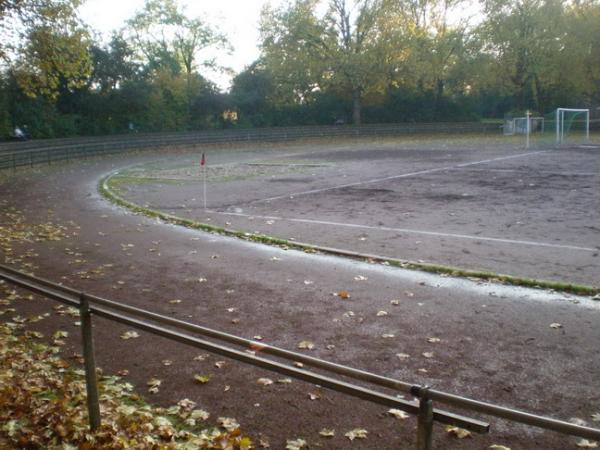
column 560, row 123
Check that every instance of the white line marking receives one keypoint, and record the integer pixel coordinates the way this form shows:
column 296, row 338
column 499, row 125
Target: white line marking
column 395, row 177
column 408, row 230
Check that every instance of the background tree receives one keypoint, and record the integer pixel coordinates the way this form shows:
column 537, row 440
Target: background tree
column 343, row 50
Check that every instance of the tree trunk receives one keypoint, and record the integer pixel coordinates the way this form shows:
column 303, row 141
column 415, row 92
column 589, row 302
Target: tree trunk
column 356, row 106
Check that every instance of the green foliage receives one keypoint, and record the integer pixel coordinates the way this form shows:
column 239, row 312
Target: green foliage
column 321, row 62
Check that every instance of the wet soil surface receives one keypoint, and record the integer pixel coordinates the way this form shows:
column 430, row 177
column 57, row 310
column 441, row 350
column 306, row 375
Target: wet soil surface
column 496, row 343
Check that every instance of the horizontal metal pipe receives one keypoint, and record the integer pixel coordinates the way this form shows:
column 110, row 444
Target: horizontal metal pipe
column 514, row 415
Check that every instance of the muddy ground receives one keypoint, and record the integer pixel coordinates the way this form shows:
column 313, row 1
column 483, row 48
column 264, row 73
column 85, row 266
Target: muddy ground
column 496, row 343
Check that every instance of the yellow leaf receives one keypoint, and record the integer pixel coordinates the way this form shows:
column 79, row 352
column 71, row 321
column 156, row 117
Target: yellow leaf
column 202, row 379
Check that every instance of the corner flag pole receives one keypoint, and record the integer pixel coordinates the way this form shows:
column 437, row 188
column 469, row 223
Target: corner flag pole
column 203, row 165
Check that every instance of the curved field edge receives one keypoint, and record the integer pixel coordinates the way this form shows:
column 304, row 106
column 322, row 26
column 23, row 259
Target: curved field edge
column 105, row 190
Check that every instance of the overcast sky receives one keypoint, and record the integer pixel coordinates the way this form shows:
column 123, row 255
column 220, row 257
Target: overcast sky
column 238, row 19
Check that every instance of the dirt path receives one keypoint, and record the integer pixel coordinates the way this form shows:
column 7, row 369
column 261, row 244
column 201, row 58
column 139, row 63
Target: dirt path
column 495, row 343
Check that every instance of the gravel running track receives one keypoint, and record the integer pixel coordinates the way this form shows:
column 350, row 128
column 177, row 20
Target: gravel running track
column 496, row 342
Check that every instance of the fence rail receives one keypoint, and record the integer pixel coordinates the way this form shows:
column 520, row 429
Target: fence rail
column 187, row 333
column 30, row 153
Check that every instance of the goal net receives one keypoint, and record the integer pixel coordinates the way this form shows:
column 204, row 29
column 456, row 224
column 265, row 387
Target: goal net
column 568, row 125
column 518, row 125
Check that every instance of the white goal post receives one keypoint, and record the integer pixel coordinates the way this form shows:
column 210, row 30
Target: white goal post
column 560, row 122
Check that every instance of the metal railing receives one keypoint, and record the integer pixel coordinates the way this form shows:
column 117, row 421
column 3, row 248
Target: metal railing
column 31, row 153
column 188, row 333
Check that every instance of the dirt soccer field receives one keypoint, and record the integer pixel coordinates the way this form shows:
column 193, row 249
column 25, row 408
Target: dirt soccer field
column 533, row 214
column 471, row 205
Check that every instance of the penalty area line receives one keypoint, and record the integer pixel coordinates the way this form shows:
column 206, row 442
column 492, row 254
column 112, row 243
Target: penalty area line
column 412, row 231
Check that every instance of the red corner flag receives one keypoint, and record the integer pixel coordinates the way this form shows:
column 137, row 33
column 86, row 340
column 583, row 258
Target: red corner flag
column 202, row 161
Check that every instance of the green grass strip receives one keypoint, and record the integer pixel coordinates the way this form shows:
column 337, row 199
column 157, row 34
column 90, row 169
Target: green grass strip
column 572, row 288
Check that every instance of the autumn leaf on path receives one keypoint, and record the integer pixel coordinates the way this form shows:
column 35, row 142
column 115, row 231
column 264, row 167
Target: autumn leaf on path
column 398, row 414
column 460, row 433
column 130, row 335
column 202, row 379
column 360, row 278
column 357, row 433
column 498, row 447
column 306, row 345
column 295, row 444
column 327, row 432
column 264, row 381
column 228, row 423
column 433, row 340
column 344, row 295
column 596, row 417
column 555, row 325
column 154, row 384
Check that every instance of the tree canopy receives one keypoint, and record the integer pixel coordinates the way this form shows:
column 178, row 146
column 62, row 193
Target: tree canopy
column 321, row 62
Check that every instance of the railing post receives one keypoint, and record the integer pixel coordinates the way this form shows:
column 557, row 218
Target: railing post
column 424, row 418
column 91, row 383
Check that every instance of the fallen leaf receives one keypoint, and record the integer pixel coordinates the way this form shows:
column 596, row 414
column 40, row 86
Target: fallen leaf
column 174, row 302
column 382, row 313
column 228, row 423
column 403, row 355
column 219, row 364
column 202, row 379
column 584, row 443
column 357, row 433
column 314, row 396
column 167, row 362
column 398, row 414
column 433, row 340
column 344, row 295
column 154, row 384
column 428, row 354
column 596, row 417
column 264, row 381
column 388, row 335
column 498, row 447
column 460, row 433
column 555, row 325
column 130, row 335
column 360, row 278
column 327, row 432
column 308, row 345
column 257, row 338
column 308, row 282
column 395, row 302
column 295, row 444
column 199, row 414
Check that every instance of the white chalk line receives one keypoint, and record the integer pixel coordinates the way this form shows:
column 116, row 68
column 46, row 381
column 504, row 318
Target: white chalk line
column 395, row 177
column 412, row 231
